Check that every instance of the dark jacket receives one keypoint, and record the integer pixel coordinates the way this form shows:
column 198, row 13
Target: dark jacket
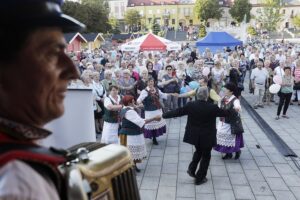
column 200, row 129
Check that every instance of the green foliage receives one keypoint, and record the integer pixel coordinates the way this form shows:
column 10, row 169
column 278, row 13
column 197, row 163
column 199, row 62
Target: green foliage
column 208, row 9
column 239, row 9
column 251, row 30
column 296, row 21
column 132, row 19
column 202, row 31
column 269, row 16
column 91, row 12
column 115, row 26
column 156, row 28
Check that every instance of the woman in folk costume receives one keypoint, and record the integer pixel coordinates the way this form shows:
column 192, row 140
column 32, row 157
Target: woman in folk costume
column 131, row 133
column 150, row 99
column 230, row 129
column 112, row 107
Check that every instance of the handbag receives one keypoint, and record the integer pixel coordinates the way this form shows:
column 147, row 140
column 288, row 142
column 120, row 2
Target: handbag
column 297, row 86
column 236, row 125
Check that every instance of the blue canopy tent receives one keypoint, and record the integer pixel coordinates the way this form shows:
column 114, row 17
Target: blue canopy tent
column 217, row 41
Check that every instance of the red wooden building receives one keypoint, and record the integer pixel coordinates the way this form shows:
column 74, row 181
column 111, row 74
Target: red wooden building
column 74, row 41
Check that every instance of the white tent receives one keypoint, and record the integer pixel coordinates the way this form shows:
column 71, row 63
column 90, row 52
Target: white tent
column 150, row 42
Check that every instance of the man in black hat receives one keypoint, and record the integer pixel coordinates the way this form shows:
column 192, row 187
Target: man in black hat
column 34, row 74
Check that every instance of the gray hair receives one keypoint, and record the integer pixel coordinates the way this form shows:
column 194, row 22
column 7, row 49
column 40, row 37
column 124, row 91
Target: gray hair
column 202, row 93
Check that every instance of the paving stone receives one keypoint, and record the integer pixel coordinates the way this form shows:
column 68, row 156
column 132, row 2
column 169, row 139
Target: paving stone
column 171, row 151
column 238, row 179
column 284, row 195
column 168, row 180
column 277, row 184
column 155, row 160
column 166, row 193
column 169, row 168
column 284, row 169
column 185, row 157
column 263, row 161
column 183, row 166
column 257, row 152
column 265, row 197
column 260, row 188
column 234, row 168
column 218, row 170
column 205, row 196
column 296, row 192
column 221, row 183
column 153, row 170
column 183, row 198
column 150, row 183
column 291, row 180
column 170, row 159
column 243, row 192
column 248, row 164
column 185, row 190
column 205, row 188
column 157, row 152
column 172, row 143
column 216, row 160
column 269, row 172
column 184, row 178
column 148, row 194
column 254, row 175
column 224, row 195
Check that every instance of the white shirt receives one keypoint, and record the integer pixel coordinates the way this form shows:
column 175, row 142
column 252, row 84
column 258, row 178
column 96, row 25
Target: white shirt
column 280, row 58
column 279, row 71
column 259, row 75
column 134, row 117
column 144, row 94
column 108, row 101
column 18, row 181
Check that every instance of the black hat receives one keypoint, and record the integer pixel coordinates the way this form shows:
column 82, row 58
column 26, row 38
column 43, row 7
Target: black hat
column 36, row 13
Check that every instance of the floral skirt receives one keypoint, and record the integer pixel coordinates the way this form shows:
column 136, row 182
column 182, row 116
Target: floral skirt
column 136, row 145
column 154, row 128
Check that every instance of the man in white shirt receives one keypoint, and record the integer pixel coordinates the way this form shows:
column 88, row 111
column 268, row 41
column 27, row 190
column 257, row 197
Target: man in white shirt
column 280, row 56
column 258, row 78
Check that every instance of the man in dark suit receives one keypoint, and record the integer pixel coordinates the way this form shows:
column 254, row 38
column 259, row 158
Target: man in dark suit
column 200, row 131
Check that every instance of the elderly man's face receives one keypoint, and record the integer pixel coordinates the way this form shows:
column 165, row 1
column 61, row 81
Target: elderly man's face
column 36, row 82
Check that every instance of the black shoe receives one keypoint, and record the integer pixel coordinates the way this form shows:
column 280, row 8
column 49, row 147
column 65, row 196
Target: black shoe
column 200, row 181
column 237, row 155
column 137, row 169
column 227, row 156
column 155, row 141
column 190, row 173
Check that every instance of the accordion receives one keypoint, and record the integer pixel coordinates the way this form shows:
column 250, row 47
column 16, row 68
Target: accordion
column 101, row 172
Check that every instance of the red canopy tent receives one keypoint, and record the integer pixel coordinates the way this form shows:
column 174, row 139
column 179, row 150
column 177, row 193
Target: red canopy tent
column 151, row 43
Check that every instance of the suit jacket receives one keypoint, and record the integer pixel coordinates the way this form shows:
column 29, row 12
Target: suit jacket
column 200, row 129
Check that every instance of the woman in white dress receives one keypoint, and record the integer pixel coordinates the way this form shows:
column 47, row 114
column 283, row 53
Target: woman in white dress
column 131, row 134
column 111, row 116
column 230, row 140
column 150, row 99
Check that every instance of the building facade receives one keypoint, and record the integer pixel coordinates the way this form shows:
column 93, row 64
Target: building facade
column 167, row 13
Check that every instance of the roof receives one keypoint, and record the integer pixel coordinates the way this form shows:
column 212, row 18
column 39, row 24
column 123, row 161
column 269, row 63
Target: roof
column 151, row 2
column 92, row 37
column 217, row 40
column 70, row 37
column 124, row 36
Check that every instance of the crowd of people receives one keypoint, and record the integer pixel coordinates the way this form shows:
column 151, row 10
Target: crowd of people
column 159, row 82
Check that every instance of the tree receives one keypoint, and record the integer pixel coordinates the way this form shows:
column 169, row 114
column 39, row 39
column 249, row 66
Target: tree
column 269, row 16
column 93, row 14
column 296, row 21
column 115, row 26
column 156, row 28
column 239, row 9
column 202, row 30
column 251, row 30
column 132, row 19
column 208, row 9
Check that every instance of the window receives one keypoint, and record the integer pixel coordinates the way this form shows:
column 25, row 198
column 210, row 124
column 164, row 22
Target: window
column 142, row 13
column 158, row 11
column 150, row 12
column 149, row 19
column 283, row 11
column 116, row 9
column 173, row 11
column 173, row 21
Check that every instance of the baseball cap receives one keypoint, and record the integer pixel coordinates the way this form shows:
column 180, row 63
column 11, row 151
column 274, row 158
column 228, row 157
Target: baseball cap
column 36, row 13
